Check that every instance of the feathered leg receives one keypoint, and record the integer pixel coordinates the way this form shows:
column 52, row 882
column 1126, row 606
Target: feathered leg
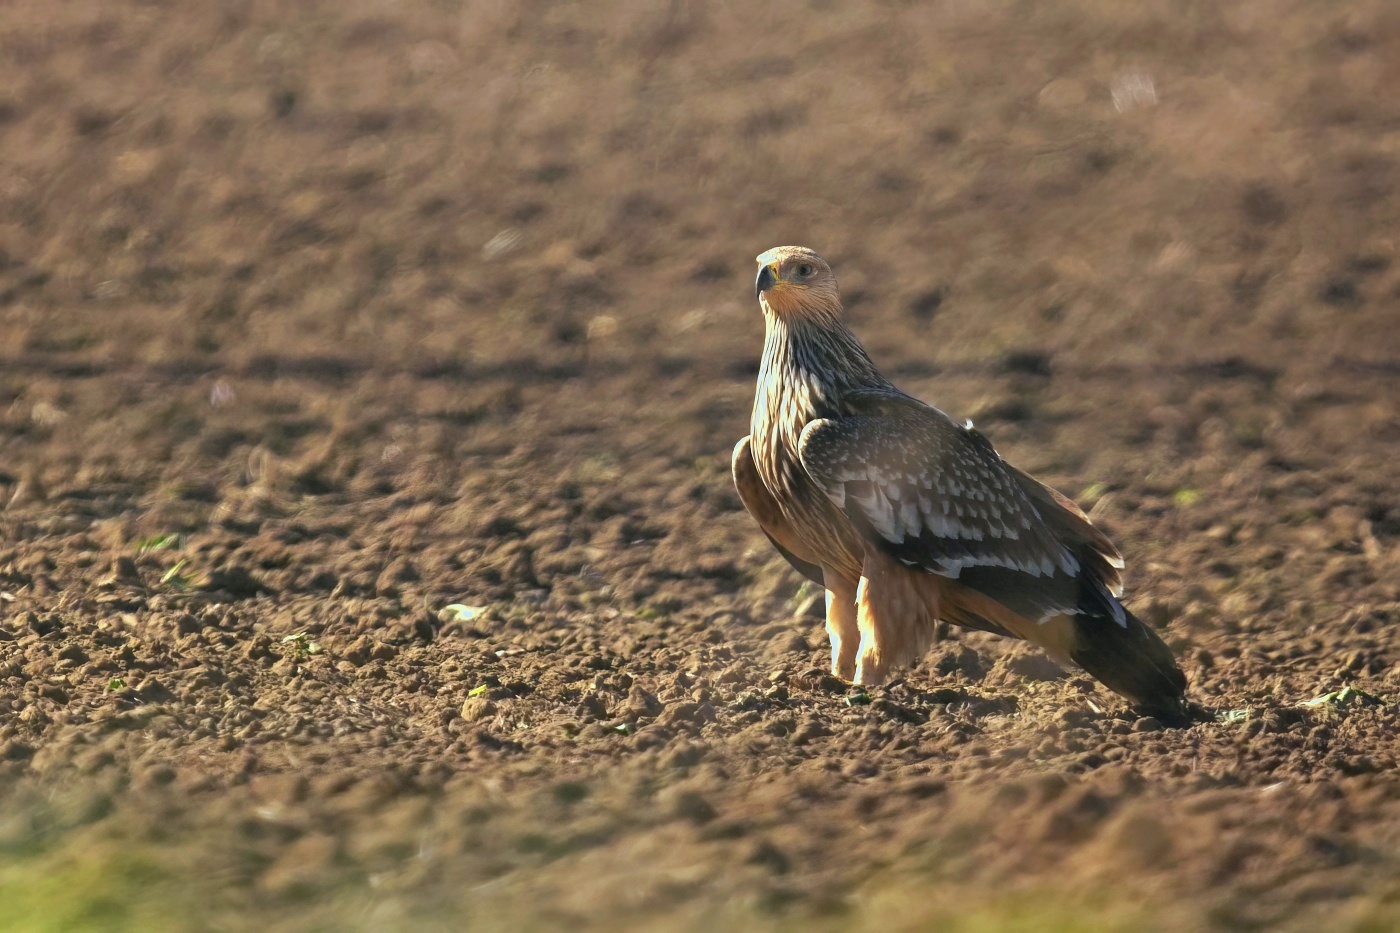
column 841, row 624
column 872, row 662
column 895, row 612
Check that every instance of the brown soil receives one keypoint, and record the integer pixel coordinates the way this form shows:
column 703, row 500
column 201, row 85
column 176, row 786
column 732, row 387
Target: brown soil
column 385, row 307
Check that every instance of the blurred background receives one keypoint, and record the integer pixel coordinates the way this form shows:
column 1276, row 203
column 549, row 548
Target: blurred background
column 318, row 317
column 481, row 180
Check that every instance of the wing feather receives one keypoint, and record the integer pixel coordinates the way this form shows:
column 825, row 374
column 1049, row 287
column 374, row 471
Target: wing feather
column 938, row 497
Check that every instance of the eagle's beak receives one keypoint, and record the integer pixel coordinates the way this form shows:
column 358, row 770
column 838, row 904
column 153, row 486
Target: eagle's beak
column 766, row 280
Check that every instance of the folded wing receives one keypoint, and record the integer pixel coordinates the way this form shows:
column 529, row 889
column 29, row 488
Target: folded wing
column 936, row 496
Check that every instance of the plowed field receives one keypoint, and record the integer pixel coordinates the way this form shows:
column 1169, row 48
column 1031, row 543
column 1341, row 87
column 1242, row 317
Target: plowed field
column 319, row 318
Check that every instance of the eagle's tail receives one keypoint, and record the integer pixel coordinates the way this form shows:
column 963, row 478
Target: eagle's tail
column 1130, row 658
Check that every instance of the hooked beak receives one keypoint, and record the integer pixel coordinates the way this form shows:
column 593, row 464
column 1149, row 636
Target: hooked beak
column 766, row 280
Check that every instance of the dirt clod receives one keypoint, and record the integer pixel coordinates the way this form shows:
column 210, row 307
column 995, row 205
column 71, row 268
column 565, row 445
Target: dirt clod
column 475, row 709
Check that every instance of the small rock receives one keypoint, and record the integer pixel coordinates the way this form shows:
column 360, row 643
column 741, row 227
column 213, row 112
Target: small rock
column 592, row 706
column 476, row 709
column 682, row 714
column 73, row 652
column 152, row 690
column 643, row 702
column 358, row 653
column 259, row 646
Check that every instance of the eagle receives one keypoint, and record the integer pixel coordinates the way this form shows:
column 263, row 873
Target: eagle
column 907, row 517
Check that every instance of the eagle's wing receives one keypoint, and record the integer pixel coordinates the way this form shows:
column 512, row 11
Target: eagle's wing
column 1073, row 528
column 767, row 513
column 936, row 496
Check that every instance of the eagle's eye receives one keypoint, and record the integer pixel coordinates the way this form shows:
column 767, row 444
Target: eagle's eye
column 804, row 270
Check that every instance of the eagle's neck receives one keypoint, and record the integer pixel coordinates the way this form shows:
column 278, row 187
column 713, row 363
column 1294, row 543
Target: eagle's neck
column 809, row 363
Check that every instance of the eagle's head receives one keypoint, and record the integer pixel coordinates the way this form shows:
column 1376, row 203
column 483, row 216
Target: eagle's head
column 795, row 281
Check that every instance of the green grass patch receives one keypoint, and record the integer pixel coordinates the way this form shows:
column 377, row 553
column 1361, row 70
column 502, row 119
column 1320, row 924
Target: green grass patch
column 1344, row 698
column 1186, row 497
column 91, row 889
column 163, row 542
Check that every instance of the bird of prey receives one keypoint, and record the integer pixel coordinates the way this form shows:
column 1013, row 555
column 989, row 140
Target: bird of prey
column 907, row 517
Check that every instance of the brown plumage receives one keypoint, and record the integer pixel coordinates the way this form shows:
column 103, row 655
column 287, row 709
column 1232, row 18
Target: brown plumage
column 907, row 517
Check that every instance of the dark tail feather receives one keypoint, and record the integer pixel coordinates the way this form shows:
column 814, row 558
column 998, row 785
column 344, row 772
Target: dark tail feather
column 1130, row 659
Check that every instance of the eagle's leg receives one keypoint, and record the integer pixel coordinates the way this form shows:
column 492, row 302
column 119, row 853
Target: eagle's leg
column 895, row 613
column 841, row 624
column 872, row 662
